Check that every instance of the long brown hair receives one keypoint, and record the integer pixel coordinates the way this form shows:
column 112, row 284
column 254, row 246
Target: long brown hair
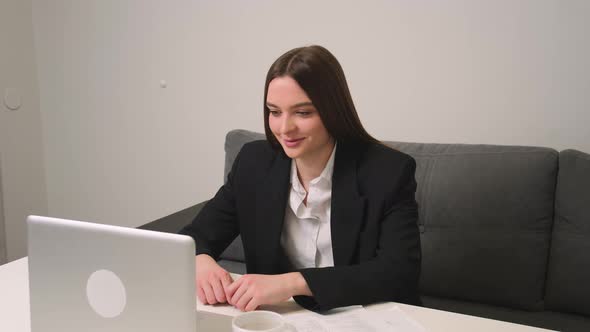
column 320, row 75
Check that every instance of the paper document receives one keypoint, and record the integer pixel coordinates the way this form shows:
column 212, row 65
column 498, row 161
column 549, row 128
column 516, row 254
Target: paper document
column 354, row 319
column 223, row 309
column 228, row 310
column 397, row 320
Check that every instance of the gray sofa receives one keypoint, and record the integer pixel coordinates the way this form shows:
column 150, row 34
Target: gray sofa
column 505, row 230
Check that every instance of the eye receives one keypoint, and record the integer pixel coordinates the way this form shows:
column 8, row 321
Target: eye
column 274, row 113
column 303, row 113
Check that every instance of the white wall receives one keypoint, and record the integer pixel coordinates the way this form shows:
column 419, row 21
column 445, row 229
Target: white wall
column 121, row 149
column 2, row 233
column 22, row 182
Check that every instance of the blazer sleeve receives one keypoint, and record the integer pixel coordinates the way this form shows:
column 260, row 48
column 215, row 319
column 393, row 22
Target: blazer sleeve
column 392, row 275
column 216, row 226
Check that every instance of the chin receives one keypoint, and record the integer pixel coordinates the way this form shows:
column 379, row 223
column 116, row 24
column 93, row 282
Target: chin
column 291, row 153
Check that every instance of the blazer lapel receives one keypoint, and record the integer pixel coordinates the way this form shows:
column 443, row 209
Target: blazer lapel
column 271, row 202
column 347, row 205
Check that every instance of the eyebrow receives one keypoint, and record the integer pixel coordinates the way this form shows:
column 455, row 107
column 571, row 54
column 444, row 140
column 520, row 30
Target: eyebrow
column 305, row 103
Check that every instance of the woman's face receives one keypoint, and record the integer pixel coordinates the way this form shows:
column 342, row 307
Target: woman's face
column 295, row 122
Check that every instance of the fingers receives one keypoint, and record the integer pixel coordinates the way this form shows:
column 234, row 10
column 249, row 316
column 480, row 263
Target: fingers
column 231, row 290
column 214, row 288
column 242, row 298
column 226, row 281
column 252, row 305
column 244, row 293
column 239, row 298
column 209, row 294
column 211, row 280
column 201, row 294
column 218, row 290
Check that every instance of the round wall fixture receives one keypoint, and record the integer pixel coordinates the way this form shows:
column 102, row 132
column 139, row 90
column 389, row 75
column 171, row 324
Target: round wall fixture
column 12, row 99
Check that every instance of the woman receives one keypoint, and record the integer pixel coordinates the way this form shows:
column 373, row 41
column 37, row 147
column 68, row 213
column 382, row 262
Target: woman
column 326, row 213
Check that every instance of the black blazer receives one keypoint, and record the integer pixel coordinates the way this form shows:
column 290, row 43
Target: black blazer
column 375, row 237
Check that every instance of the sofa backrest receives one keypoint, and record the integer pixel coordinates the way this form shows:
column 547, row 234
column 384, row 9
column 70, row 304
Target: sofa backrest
column 234, row 140
column 486, row 214
column 568, row 279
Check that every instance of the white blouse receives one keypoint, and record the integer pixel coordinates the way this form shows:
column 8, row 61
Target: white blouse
column 306, row 236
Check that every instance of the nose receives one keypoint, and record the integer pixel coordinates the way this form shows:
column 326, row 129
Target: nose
column 287, row 124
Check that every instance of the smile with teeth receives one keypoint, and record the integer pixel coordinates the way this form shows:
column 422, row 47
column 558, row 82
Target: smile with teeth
column 291, row 143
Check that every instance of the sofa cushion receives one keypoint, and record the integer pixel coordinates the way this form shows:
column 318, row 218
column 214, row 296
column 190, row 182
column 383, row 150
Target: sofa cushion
column 485, row 217
column 233, row 266
column 568, row 281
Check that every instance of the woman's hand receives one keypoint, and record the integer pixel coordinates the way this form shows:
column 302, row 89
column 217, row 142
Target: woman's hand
column 253, row 290
column 212, row 280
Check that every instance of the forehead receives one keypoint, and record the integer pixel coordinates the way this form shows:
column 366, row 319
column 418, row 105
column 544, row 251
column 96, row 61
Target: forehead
column 285, row 91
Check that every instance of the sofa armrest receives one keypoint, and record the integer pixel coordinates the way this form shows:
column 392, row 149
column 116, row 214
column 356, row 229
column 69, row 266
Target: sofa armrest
column 176, row 221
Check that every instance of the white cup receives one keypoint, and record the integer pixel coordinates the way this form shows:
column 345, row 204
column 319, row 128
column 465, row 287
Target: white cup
column 259, row 321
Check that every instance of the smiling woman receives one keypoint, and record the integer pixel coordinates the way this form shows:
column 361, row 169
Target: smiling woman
column 297, row 126
column 327, row 214
column 319, row 76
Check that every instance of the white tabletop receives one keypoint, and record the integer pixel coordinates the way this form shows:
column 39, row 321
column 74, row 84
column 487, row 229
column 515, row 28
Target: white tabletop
column 15, row 317
column 14, row 296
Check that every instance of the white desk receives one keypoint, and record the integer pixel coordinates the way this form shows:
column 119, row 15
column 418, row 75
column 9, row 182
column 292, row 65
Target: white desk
column 15, row 317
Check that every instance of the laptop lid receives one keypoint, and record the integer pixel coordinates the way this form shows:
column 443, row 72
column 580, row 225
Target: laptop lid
column 93, row 277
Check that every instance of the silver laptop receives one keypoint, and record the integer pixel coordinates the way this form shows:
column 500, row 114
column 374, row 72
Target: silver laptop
column 93, row 277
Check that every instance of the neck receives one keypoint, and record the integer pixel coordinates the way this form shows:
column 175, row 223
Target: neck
column 310, row 168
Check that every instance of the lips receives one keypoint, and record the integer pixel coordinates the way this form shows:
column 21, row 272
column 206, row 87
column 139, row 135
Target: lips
column 291, row 143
